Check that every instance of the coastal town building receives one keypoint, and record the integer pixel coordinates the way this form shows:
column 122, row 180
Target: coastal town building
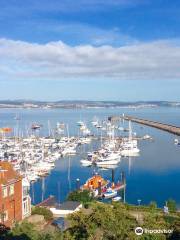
column 66, row 208
column 26, row 199
column 15, row 201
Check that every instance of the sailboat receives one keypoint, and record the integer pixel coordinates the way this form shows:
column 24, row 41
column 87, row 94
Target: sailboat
column 129, row 147
column 95, row 122
column 17, row 117
column 80, row 123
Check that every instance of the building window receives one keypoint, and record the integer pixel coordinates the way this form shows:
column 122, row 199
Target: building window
column 3, row 216
column 11, row 189
column 25, row 191
column 26, row 206
column 4, row 192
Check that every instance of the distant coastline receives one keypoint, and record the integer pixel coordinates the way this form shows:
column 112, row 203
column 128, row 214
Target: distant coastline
column 31, row 104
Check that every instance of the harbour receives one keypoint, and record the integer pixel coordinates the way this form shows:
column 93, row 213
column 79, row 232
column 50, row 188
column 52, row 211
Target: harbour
column 141, row 171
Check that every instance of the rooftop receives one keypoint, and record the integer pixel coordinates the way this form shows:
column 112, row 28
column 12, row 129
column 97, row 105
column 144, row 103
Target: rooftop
column 49, row 202
column 8, row 174
column 69, row 205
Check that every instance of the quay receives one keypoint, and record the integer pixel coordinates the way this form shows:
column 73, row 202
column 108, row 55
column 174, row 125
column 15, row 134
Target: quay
column 162, row 126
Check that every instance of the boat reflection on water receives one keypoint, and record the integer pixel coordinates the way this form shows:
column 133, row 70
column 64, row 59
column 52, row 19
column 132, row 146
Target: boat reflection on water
column 107, row 167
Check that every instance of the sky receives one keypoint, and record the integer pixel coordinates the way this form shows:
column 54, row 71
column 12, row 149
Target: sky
column 123, row 50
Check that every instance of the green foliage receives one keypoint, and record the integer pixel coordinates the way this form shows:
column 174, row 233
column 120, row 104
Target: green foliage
column 153, row 205
column 176, row 230
column 23, row 231
column 116, row 221
column 104, row 221
column 171, row 204
column 153, row 220
column 43, row 211
column 27, row 231
column 80, row 196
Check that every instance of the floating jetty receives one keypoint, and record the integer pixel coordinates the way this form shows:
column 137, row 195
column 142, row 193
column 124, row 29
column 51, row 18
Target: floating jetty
column 162, row 126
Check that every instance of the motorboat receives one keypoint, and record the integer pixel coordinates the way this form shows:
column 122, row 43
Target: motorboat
column 130, row 151
column 36, row 126
column 109, row 159
column 80, row 123
column 176, row 141
column 146, row 137
column 110, row 193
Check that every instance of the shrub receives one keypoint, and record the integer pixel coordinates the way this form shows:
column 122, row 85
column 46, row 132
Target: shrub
column 43, row 211
column 80, row 196
column 153, row 205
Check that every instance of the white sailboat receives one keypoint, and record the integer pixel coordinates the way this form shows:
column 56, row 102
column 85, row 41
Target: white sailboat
column 129, row 147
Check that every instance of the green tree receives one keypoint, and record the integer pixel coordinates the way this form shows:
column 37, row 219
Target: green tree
column 171, row 204
column 105, row 221
column 24, row 231
column 80, row 196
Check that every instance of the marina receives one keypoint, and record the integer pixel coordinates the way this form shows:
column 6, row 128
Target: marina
column 65, row 149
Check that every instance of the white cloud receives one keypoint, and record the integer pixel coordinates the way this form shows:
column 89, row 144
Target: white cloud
column 87, row 34
column 56, row 60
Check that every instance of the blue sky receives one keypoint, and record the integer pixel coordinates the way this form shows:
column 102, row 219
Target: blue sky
column 123, row 50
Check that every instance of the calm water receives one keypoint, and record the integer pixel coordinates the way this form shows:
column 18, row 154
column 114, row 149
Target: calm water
column 154, row 175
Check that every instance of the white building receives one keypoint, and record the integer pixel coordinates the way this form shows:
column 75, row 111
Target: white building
column 26, row 199
column 66, row 208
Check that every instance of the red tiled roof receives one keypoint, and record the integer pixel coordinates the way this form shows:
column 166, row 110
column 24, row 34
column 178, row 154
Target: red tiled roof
column 7, row 173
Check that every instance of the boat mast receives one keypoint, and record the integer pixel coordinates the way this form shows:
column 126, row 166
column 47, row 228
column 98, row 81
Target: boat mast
column 130, row 131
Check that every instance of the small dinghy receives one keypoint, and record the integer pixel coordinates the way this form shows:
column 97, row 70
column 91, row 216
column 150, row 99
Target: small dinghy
column 116, row 199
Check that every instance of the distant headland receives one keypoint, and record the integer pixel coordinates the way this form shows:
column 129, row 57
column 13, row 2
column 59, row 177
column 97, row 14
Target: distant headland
column 81, row 104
